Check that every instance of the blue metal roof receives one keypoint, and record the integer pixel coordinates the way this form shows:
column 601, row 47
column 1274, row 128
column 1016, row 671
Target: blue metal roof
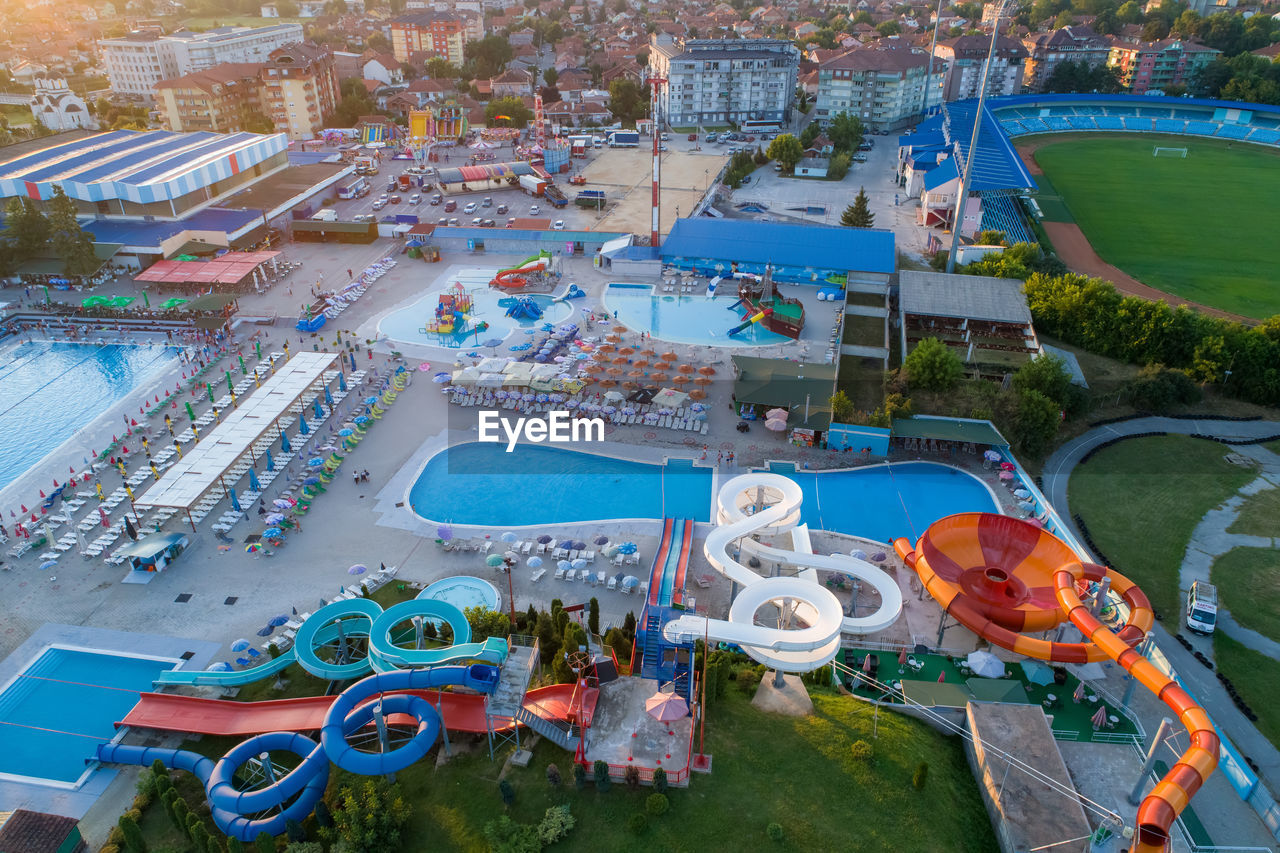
column 996, row 164
column 1008, row 101
column 131, row 232
column 816, row 246
column 940, row 174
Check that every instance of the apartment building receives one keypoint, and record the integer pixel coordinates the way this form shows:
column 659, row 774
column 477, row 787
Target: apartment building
column 1155, row 65
column 718, row 81
column 440, row 34
column 299, row 89
column 1046, row 51
column 137, row 62
column 215, row 99
column 966, row 56
column 884, row 86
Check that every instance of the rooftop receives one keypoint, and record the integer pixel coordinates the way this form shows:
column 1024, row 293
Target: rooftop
column 974, row 297
column 818, row 246
column 997, row 165
column 964, row 430
column 788, row 385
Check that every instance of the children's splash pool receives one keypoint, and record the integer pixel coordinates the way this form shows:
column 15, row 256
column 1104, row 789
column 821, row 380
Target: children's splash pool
column 686, row 319
column 465, row 591
column 409, row 325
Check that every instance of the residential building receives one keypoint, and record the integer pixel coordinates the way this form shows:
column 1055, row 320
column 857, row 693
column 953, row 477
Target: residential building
column 440, row 34
column 885, row 87
column 299, row 89
column 1046, row 51
column 217, row 99
column 137, row 62
column 718, row 81
column 967, row 55
column 384, row 68
column 56, row 107
column 1156, row 65
column 514, row 83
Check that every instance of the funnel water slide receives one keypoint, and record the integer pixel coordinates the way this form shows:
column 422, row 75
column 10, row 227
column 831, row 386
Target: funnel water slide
column 243, row 814
column 511, row 276
column 775, row 501
column 1000, row 577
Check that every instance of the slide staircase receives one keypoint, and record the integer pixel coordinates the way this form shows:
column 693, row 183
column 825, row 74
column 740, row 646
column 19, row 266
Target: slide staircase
column 560, row 732
column 661, row 659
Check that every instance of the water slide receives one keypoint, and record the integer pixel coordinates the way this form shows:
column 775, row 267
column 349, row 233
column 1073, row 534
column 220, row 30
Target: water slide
column 293, row 795
column 660, row 561
column 461, row 712
column 1001, row 577
column 512, row 276
column 768, row 505
column 754, row 318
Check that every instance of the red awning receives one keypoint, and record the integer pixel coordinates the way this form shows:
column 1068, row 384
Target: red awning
column 231, row 268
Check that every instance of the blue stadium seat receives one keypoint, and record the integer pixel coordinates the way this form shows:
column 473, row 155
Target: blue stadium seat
column 1265, row 122
column 1266, row 136
column 1233, row 131
column 1153, row 112
column 1136, row 123
column 1058, row 122
column 1002, row 213
column 1189, row 114
column 1012, row 126
column 1201, row 128
column 1082, row 123
column 1035, row 125
column 1170, row 125
column 1121, row 111
column 1062, row 111
column 1109, row 123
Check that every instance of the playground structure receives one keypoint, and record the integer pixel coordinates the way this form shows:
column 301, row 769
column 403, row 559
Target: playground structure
column 762, row 304
column 763, row 504
column 437, row 124
column 344, row 640
column 1003, row 578
column 520, row 275
column 524, row 308
column 453, row 314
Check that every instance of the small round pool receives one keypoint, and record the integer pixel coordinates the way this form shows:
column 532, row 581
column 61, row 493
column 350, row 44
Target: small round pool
column 464, row 591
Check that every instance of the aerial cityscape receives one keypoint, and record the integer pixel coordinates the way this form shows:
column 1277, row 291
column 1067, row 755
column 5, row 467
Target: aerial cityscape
column 508, row 425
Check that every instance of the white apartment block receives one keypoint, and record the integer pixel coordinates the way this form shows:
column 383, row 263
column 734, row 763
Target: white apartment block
column 886, row 87
column 137, row 62
column 718, row 81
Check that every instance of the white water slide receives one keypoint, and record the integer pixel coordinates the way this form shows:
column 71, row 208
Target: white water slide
column 769, row 505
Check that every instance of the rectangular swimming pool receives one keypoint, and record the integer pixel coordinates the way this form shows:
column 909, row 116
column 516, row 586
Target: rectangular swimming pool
column 688, row 319
column 55, row 712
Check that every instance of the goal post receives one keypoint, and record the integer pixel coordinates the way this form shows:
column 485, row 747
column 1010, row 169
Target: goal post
column 1164, row 151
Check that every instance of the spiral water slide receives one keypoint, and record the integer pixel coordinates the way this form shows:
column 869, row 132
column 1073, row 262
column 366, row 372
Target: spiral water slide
column 1001, row 577
column 766, row 504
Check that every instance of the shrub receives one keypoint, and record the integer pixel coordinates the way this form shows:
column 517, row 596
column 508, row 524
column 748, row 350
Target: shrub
column 861, row 751
column 181, row 811
column 371, row 816
column 195, row 826
column 637, row 822
column 235, row 845
column 324, row 819
column 109, row 848
column 167, row 800
column 508, row 793
column 293, row 830
column 200, row 835
column 506, row 836
column 553, row 776
column 774, row 831
column 132, row 834
column 933, row 366
column 134, row 814
column 632, row 777
column 556, row 823
column 213, row 845
column 657, row 804
column 115, row 836
column 305, row 847
column 141, row 801
column 579, row 777
column 601, row 774
column 265, row 843
column 921, row 776
column 660, row 781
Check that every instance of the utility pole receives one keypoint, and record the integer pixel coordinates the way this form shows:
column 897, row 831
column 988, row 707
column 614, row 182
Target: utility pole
column 655, row 213
column 933, row 47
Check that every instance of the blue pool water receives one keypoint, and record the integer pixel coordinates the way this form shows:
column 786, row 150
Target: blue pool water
column 408, row 325
column 463, row 592
column 49, row 391
column 535, row 484
column 480, row 484
column 57, row 710
column 685, row 319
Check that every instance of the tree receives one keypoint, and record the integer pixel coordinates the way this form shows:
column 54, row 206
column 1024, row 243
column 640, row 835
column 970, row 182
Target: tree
column 811, row 131
column 593, row 615
column 488, row 56
column 1130, row 12
column 1048, row 375
column 845, row 132
column 858, row 214
column 838, row 166
column 515, row 112
column 505, row 835
column 71, row 243
column 379, row 42
column 438, row 68
column 26, row 228
column 841, row 407
column 486, row 623
column 553, row 776
column 556, row 823
column 551, row 76
column 1036, row 422
column 132, row 834
column 600, row 771
column 265, row 843
column 933, row 366
column 508, row 792
column 627, row 101
column 889, row 28
column 370, row 816
column 787, row 150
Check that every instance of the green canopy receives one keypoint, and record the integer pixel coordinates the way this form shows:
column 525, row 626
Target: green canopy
column 122, row 301
column 173, row 303
column 94, row 301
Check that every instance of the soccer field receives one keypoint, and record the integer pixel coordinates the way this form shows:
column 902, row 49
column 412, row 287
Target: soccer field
column 1203, row 227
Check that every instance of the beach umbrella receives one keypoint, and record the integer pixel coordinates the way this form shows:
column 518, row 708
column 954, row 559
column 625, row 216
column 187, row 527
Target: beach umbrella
column 240, row 645
column 129, row 529
column 1036, row 672
column 707, row 370
column 535, row 562
column 231, row 387
column 509, row 537
column 984, row 664
column 544, row 539
column 1078, row 695
column 630, row 582
column 273, row 518
column 346, row 431
column 879, row 557
column 315, row 407
column 271, row 532
column 282, row 503
column 493, row 561
column 445, row 532
column 902, row 657
column 285, row 447
column 627, row 548
column 669, row 356
column 328, row 397
column 666, row 707
column 357, row 569
column 601, row 540
column 277, row 621
column 235, row 501
column 253, row 481
column 1099, row 719
column 510, row 555
column 266, row 631
column 271, row 463
column 1006, row 475
column 578, row 564
column 775, row 425
column 776, row 414
column 218, row 666
column 302, row 425
column 866, row 663
column 942, row 676
column 48, row 564
column 315, row 461
column 102, row 514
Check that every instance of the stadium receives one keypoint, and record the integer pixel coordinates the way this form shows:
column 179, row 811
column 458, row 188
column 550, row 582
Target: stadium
column 1166, row 197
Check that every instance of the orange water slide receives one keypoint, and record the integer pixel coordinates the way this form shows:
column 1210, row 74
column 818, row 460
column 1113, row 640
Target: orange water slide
column 462, row 712
column 660, row 560
column 682, row 568
column 1001, row 577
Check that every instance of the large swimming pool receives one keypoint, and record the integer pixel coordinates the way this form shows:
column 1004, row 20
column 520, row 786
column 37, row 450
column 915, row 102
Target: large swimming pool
column 408, row 325
column 686, row 319
column 480, row 484
column 56, row 711
column 49, row 391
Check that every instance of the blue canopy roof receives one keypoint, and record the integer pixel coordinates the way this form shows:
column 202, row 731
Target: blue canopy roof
column 817, row 246
column 996, row 164
column 943, row 172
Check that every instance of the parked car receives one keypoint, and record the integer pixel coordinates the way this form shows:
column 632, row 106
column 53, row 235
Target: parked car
column 453, row 222
column 488, row 202
column 746, row 179
column 470, row 208
column 476, row 223
column 442, row 221
column 712, row 136
column 487, row 223
column 511, row 222
column 416, row 198
column 558, row 225
column 391, row 187
column 450, row 206
column 436, row 199
column 395, row 199
column 534, row 210
column 662, row 148
column 379, row 204
column 662, row 137
column 502, row 208
column 693, row 137
column 859, row 157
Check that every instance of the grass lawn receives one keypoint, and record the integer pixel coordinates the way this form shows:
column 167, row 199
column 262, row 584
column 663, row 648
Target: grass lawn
column 1259, row 516
column 1256, row 677
column 1197, row 227
column 1141, row 499
column 16, row 114
column 797, row 772
column 1249, row 585
column 863, row 330
column 1050, row 201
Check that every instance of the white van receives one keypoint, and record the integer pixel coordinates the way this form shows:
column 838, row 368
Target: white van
column 327, row 214
column 1202, row 607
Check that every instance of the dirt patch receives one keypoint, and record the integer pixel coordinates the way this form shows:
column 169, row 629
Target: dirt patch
column 1076, row 252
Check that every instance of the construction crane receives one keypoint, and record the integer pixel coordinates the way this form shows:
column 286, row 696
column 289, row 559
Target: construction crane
column 655, row 217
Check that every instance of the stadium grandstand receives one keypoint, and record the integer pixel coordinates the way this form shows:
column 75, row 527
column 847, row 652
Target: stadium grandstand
column 933, row 155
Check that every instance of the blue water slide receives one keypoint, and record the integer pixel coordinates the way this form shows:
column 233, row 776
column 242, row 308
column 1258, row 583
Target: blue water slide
column 295, row 794
column 387, row 654
column 328, row 624
column 237, row 678
column 672, row 562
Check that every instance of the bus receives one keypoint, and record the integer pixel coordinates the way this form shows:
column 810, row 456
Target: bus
column 759, row 126
column 354, row 188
